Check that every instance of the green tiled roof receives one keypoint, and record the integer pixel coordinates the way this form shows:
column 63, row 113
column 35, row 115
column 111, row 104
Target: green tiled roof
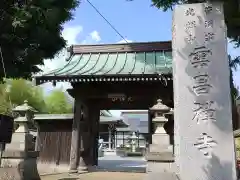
column 117, row 63
column 103, row 118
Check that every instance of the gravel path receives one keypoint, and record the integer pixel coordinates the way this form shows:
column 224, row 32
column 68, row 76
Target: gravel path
column 110, row 167
column 97, row 175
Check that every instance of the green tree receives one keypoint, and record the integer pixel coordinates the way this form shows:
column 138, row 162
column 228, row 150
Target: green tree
column 15, row 91
column 233, row 64
column 57, row 103
column 231, row 12
column 30, row 32
column 5, row 105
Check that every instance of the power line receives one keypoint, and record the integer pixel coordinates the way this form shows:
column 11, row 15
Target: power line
column 107, row 21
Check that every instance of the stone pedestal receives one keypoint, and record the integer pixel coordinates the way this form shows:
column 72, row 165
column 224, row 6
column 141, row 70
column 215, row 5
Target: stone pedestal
column 160, row 159
column 19, row 165
column 19, row 160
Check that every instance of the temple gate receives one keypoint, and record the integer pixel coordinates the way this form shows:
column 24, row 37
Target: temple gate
column 137, row 75
column 114, row 76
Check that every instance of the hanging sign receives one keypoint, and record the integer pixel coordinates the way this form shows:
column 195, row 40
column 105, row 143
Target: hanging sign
column 119, row 97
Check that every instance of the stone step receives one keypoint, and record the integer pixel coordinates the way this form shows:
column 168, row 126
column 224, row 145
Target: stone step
column 162, row 175
column 159, row 157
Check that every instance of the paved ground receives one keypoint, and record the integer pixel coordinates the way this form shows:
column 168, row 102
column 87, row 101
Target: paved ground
column 119, row 164
column 110, row 168
column 98, row 176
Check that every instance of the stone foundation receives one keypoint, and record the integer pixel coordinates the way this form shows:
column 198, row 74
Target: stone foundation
column 19, row 166
column 161, row 166
column 51, row 168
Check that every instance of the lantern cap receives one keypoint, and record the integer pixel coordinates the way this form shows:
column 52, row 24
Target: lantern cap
column 133, row 136
column 160, row 106
column 24, row 108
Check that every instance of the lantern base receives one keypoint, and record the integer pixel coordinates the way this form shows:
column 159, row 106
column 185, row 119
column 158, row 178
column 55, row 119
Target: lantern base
column 160, row 164
column 161, row 139
column 19, row 165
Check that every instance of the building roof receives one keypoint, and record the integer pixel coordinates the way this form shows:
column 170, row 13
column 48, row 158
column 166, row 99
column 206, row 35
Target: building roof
column 137, row 120
column 110, row 62
column 103, row 119
column 238, row 100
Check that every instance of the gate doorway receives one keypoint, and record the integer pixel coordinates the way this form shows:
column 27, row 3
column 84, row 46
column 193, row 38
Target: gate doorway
column 117, row 76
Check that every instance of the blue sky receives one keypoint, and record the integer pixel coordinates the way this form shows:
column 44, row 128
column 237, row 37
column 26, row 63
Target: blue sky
column 136, row 20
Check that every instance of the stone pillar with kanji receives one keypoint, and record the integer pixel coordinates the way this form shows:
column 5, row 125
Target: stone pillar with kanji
column 19, row 160
column 202, row 105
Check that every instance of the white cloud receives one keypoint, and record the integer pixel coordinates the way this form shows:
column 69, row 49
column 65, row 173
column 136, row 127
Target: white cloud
column 48, row 87
column 95, row 36
column 123, row 41
column 92, row 38
column 70, row 34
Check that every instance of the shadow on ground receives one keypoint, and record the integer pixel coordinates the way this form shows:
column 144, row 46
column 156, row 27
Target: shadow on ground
column 113, row 164
column 96, row 176
column 109, row 167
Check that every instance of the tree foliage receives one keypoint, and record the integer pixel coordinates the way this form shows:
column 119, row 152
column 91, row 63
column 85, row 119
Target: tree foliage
column 233, row 64
column 15, row 91
column 20, row 90
column 57, row 103
column 30, row 32
column 5, row 105
column 231, row 12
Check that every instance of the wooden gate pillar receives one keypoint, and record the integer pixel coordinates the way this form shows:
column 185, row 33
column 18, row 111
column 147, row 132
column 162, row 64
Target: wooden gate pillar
column 96, row 141
column 94, row 128
column 78, row 136
column 85, row 150
column 88, row 134
column 75, row 136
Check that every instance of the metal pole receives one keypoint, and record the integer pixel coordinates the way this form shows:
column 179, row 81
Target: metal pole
column 138, row 138
column 123, row 139
column 116, row 137
column 109, row 138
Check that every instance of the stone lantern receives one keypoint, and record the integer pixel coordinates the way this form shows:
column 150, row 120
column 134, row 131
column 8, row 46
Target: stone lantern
column 25, row 115
column 133, row 139
column 169, row 126
column 159, row 135
column 160, row 153
column 19, row 161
